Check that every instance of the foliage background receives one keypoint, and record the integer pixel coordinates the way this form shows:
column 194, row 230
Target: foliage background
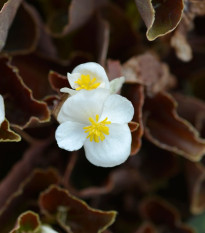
column 159, row 46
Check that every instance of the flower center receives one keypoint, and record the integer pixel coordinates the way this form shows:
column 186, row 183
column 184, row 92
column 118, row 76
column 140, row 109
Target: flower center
column 97, row 129
column 85, row 82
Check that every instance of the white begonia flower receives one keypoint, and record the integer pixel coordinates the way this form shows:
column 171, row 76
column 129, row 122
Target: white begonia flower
column 99, row 121
column 2, row 110
column 90, row 76
column 47, row 229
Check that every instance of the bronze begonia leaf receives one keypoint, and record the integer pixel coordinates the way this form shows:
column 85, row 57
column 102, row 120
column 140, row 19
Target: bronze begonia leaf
column 25, row 197
column 160, row 17
column 196, row 7
column 180, row 40
column 21, row 107
column 57, row 81
column 147, row 171
column 73, row 214
column 141, row 174
column 163, row 214
column 82, row 8
column 194, row 114
column 167, row 130
column 133, row 126
column 25, row 28
column 8, row 135
column 195, row 175
column 32, row 158
column 53, row 12
column 146, row 69
column 92, row 48
column 116, row 181
column 147, row 227
column 123, row 39
column 135, row 93
column 106, row 231
column 196, row 83
column 43, row 153
column 76, row 8
column 77, row 188
column 34, row 69
column 155, row 165
column 114, row 69
column 180, row 44
column 27, row 222
column 103, row 40
column 62, row 17
column 7, row 14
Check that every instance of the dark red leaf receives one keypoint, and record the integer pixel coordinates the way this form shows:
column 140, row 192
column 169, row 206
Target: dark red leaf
column 195, row 174
column 147, row 70
column 73, row 214
column 34, row 70
column 27, row 222
column 20, row 106
column 135, row 93
column 167, row 130
column 7, row 15
column 6, row 134
column 25, row 28
column 57, row 81
column 147, row 228
column 163, row 214
column 25, row 197
column 160, row 17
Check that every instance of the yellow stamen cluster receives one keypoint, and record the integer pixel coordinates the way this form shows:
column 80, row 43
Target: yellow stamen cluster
column 87, row 83
column 97, row 129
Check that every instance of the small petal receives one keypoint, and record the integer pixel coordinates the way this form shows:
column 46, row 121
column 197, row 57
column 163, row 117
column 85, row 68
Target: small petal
column 116, row 84
column 117, row 109
column 47, row 229
column 72, row 78
column 2, row 110
column 113, row 150
column 95, row 71
column 70, row 135
column 68, row 91
column 83, row 105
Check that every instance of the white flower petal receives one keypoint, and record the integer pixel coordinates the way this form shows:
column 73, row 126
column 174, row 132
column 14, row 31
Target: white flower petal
column 72, row 78
column 2, row 110
column 95, row 71
column 70, row 135
column 114, row 150
column 68, row 91
column 83, row 105
column 47, row 229
column 117, row 109
column 116, row 84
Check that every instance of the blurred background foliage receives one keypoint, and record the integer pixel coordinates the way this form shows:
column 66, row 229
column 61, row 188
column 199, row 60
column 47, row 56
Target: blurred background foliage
column 159, row 47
